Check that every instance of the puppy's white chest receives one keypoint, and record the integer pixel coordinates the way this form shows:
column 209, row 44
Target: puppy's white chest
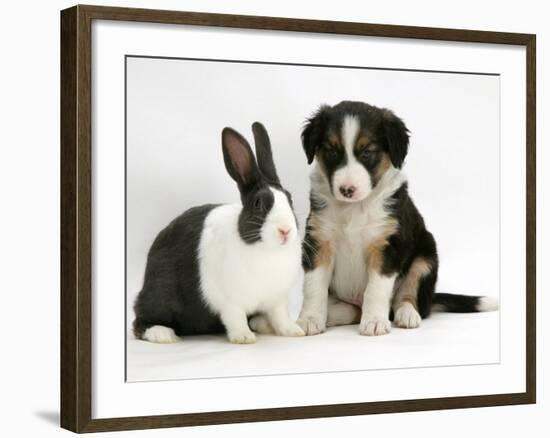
column 356, row 230
column 350, row 240
column 350, row 277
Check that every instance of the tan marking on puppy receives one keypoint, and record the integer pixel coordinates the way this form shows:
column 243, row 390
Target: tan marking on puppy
column 375, row 254
column 323, row 255
column 408, row 289
column 334, row 140
column 336, row 143
column 361, row 143
column 314, row 222
column 382, row 167
column 321, row 163
column 375, row 250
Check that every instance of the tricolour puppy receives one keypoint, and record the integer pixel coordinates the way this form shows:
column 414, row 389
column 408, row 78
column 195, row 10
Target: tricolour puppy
column 367, row 254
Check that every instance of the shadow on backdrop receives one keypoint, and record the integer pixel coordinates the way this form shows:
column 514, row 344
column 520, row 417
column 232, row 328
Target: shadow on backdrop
column 51, row 417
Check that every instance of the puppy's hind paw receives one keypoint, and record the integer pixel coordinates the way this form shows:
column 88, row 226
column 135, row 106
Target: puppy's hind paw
column 260, row 324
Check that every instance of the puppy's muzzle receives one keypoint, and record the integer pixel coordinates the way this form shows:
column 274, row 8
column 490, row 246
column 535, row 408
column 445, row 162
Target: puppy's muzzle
column 347, row 191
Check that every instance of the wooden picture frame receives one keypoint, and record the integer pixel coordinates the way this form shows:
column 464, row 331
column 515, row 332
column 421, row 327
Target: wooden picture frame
column 76, row 217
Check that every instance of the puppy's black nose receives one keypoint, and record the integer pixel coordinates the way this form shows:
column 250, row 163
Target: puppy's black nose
column 347, row 191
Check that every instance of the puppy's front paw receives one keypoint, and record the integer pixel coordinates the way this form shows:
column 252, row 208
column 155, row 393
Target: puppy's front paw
column 406, row 316
column 311, row 325
column 242, row 337
column 374, row 327
column 291, row 330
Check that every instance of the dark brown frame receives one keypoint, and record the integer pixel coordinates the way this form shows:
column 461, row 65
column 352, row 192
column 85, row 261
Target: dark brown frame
column 76, row 237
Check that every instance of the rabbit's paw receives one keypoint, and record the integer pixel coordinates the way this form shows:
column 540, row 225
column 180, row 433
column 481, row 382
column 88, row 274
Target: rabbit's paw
column 291, row 330
column 242, row 337
column 160, row 335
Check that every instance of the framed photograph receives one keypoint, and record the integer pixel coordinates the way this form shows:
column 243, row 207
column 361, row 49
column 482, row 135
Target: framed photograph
column 271, row 218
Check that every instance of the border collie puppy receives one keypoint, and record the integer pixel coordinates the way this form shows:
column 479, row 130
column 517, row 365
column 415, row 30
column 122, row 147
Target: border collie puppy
column 367, row 254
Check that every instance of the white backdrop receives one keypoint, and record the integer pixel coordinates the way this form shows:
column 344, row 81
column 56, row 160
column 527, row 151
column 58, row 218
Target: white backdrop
column 177, row 109
column 24, row 196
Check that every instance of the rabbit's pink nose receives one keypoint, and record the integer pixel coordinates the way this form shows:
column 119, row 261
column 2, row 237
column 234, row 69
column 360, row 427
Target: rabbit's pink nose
column 284, row 232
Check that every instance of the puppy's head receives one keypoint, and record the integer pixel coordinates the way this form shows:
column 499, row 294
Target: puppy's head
column 354, row 144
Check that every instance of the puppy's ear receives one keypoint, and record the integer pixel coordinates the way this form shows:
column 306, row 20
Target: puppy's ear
column 313, row 132
column 397, row 137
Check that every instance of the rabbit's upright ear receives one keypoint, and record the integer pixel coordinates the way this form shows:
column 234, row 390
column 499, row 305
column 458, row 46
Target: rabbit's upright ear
column 264, row 154
column 239, row 159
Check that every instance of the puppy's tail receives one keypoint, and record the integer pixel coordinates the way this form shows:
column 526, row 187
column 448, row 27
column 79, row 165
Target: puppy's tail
column 463, row 303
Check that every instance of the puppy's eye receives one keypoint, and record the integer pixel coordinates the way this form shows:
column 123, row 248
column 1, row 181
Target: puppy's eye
column 331, row 153
column 367, row 152
column 258, row 203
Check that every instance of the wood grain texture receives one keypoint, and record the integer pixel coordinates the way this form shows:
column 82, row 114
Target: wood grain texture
column 76, row 296
column 69, row 320
column 277, row 414
column 76, row 222
column 300, row 25
column 531, row 213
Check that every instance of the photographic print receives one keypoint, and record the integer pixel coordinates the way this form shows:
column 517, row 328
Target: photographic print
column 305, row 218
column 374, row 195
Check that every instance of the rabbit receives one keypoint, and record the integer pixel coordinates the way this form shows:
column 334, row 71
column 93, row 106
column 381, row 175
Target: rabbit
column 215, row 266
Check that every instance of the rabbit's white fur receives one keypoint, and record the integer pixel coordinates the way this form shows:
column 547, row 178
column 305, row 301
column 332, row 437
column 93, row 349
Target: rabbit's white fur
column 239, row 279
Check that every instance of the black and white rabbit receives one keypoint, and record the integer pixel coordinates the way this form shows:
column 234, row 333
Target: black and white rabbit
column 216, row 265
